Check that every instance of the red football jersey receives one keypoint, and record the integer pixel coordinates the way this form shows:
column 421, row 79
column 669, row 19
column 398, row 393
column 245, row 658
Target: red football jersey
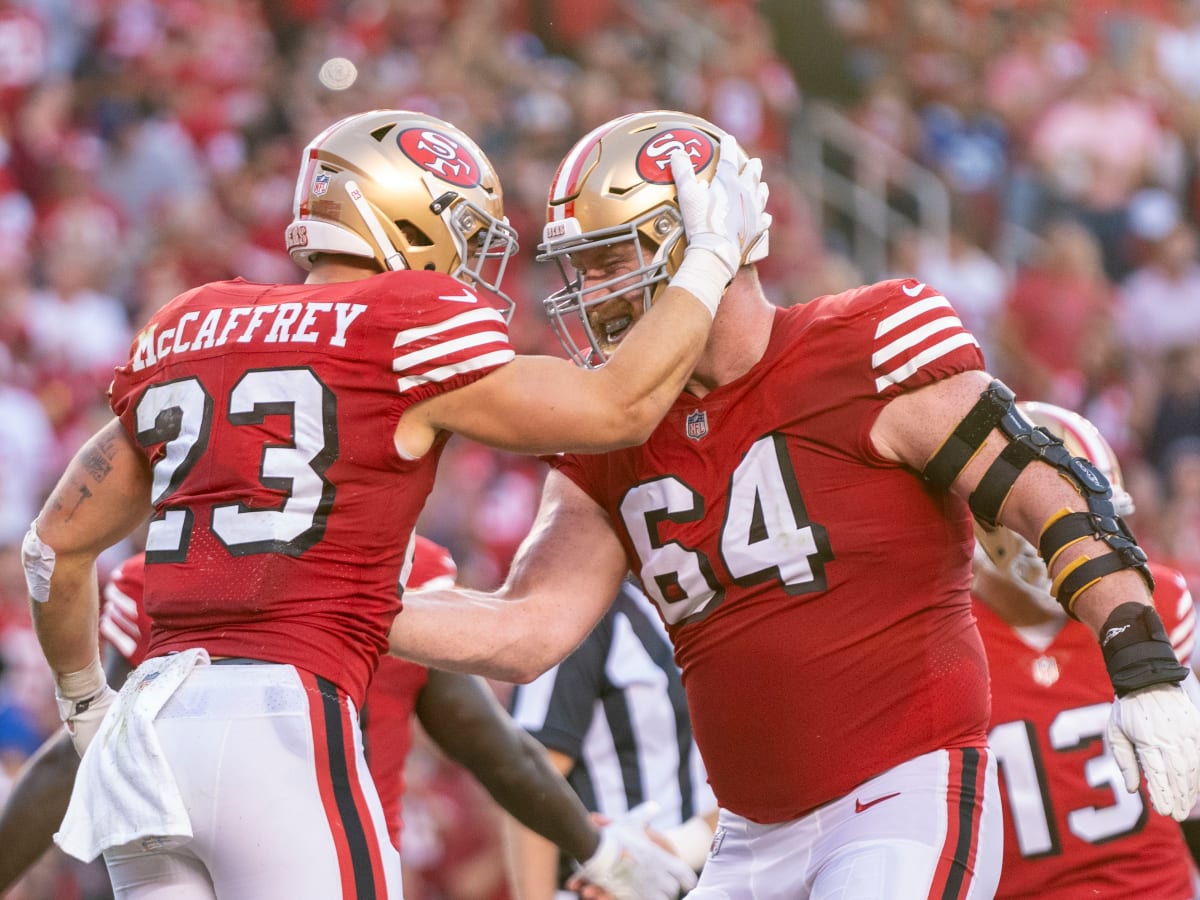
column 123, row 620
column 391, row 698
column 282, row 507
column 817, row 594
column 1070, row 828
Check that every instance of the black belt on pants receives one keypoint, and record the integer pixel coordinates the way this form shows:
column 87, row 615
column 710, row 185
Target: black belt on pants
column 242, row 661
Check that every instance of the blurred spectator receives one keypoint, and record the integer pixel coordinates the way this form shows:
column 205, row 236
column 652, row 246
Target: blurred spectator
column 1175, row 417
column 1159, row 303
column 1058, row 304
column 748, row 90
column 1087, row 176
column 1181, row 513
column 25, row 58
column 1176, row 48
column 966, row 143
column 27, row 460
column 1035, row 58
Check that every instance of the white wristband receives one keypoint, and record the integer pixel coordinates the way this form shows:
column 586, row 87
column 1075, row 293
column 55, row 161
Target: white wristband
column 82, row 684
column 691, row 841
column 703, row 275
column 38, row 560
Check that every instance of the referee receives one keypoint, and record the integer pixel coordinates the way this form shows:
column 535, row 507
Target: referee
column 613, row 718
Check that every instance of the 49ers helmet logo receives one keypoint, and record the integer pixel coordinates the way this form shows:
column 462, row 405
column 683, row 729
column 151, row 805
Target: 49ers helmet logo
column 440, row 154
column 653, row 160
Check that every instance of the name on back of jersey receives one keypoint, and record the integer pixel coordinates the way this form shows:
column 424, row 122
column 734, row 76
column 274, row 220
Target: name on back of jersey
column 308, row 322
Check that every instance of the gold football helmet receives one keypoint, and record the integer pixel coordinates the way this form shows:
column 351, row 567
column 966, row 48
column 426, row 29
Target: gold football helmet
column 1012, row 555
column 407, row 190
column 615, row 187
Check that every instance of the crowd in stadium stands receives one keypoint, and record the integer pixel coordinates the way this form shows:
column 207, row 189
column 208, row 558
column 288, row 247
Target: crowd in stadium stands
column 146, row 147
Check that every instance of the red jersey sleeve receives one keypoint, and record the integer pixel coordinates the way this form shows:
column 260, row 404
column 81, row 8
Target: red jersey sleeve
column 918, row 338
column 453, row 337
column 1175, row 607
column 432, row 565
column 123, row 620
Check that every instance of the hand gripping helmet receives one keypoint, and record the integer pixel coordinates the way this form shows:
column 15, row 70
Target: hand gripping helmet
column 615, row 187
column 1013, row 556
column 407, row 190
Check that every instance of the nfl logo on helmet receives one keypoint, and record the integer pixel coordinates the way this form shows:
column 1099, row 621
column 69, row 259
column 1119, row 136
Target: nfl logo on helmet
column 697, row 424
column 320, row 183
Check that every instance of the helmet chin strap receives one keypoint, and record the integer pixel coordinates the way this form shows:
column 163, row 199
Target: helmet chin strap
column 394, row 261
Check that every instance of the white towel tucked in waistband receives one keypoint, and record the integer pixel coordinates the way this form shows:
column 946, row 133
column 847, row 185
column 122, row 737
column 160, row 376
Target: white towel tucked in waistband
column 125, row 789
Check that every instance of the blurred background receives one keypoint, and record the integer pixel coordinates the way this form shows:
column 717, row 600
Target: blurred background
column 1035, row 160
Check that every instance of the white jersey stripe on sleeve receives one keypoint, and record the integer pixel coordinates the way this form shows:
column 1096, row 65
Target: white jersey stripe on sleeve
column 121, row 642
column 937, row 351
column 479, row 314
column 119, row 621
column 122, row 608
column 910, row 312
column 912, row 338
column 447, row 348
column 443, row 373
column 1183, row 635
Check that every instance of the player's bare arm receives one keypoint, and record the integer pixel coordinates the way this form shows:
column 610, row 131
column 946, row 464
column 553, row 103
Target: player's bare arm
column 1010, row 474
column 543, row 404
column 914, row 426
column 541, row 613
column 532, row 860
column 467, row 722
column 102, row 497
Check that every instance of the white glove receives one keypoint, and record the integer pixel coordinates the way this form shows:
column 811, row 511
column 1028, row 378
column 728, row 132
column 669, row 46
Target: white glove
column 725, row 220
column 83, row 698
column 1158, row 727
column 630, row 866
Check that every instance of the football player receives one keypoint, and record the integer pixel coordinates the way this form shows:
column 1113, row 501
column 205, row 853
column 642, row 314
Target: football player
column 1071, row 827
column 802, row 517
column 281, row 440
column 458, row 712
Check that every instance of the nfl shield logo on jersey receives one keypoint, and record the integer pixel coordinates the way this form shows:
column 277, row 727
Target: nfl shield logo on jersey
column 320, row 183
column 697, row 424
column 1045, row 670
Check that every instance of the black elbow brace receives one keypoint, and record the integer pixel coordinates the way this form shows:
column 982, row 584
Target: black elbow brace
column 996, row 409
column 1137, row 651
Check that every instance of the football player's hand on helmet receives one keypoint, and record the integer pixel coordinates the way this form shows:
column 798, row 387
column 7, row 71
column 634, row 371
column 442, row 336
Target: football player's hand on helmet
column 724, row 220
column 1157, row 729
column 629, row 865
column 748, row 195
column 726, row 216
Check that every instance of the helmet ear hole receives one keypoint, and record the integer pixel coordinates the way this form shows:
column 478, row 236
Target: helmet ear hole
column 414, row 235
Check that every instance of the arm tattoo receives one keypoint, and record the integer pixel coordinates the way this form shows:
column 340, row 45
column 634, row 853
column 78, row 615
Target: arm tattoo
column 84, row 494
column 98, row 459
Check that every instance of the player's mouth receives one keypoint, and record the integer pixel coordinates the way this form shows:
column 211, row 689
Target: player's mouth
column 612, row 320
column 616, row 328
